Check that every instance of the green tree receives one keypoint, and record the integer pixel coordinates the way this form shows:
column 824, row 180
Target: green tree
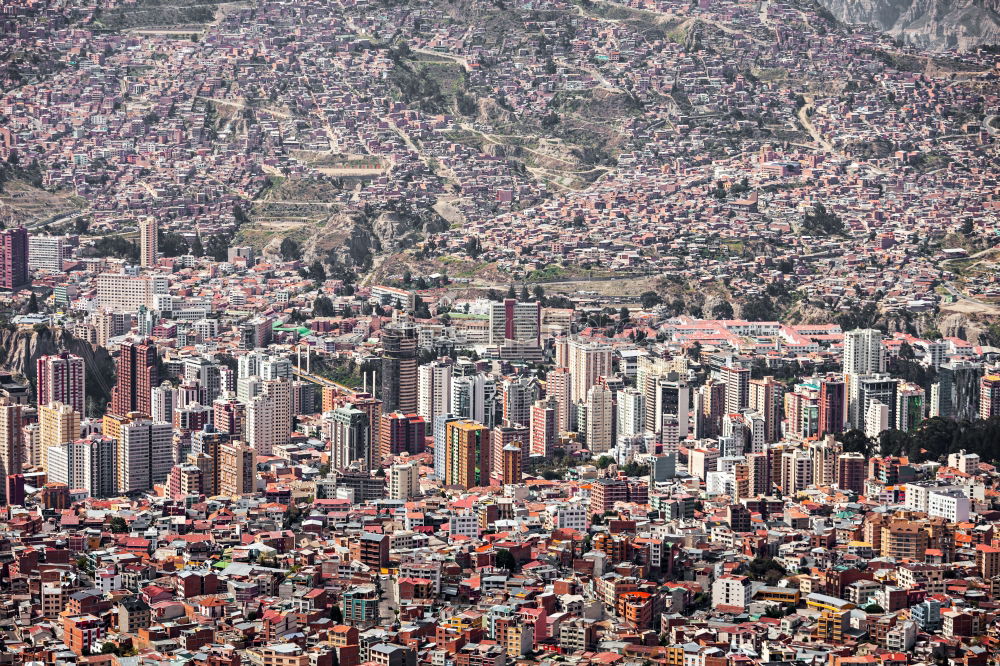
column 894, row 442
column 289, row 249
column 822, row 222
column 765, row 568
column 316, row 271
column 323, row 307
column 118, row 525
column 723, row 310
column 505, row 560
column 420, row 309
column 172, row 244
column 218, row 247
column 112, row 246
column 855, row 441
column 649, row 299
column 633, row 469
column 759, row 308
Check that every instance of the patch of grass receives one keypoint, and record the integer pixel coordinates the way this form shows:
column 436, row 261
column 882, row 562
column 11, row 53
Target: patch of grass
column 258, row 236
column 960, row 266
column 930, row 161
column 472, row 270
column 471, row 139
column 430, row 86
column 548, row 274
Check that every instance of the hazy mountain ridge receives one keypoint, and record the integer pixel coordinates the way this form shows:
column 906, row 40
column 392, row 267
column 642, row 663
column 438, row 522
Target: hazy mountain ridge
column 932, row 24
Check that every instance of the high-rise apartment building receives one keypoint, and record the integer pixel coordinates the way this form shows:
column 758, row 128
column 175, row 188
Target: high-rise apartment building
column 796, row 470
column 87, row 463
column 404, row 481
column 672, row 398
column 832, row 405
column 208, row 442
column 401, row 433
column 474, row 397
column 399, row 369
column 124, row 293
column 58, row 423
column 850, row 472
column 512, row 462
column 467, row 454
column 511, row 320
column 163, row 402
column 14, row 258
column 229, row 415
column 713, row 406
column 989, row 396
column 737, row 381
column 544, row 427
column 863, row 352
column 868, row 389
column 61, row 379
column 440, row 435
column 148, row 242
column 824, row 453
column 145, row 455
column 600, row 419
column 46, row 253
column 519, row 394
column 207, row 376
column 433, row 390
column 631, row 412
column 349, row 439
column 372, row 407
column 269, row 417
column 910, row 405
column 766, row 398
column 11, row 443
column 137, row 375
column 759, row 474
column 558, row 385
column 237, row 469
column 587, row 362
column 958, row 391
column 504, row 435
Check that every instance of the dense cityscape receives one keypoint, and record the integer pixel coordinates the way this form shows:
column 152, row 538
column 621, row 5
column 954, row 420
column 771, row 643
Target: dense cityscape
column 492, row 333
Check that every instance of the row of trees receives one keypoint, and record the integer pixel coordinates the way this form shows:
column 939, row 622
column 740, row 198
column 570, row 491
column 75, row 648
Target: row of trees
column 934, row 439
column 170, row 244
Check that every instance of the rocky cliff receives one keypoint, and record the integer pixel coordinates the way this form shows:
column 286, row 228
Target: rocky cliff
column 20, row 350
column 979, row 329
column 354, row 238
column 931, row 24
